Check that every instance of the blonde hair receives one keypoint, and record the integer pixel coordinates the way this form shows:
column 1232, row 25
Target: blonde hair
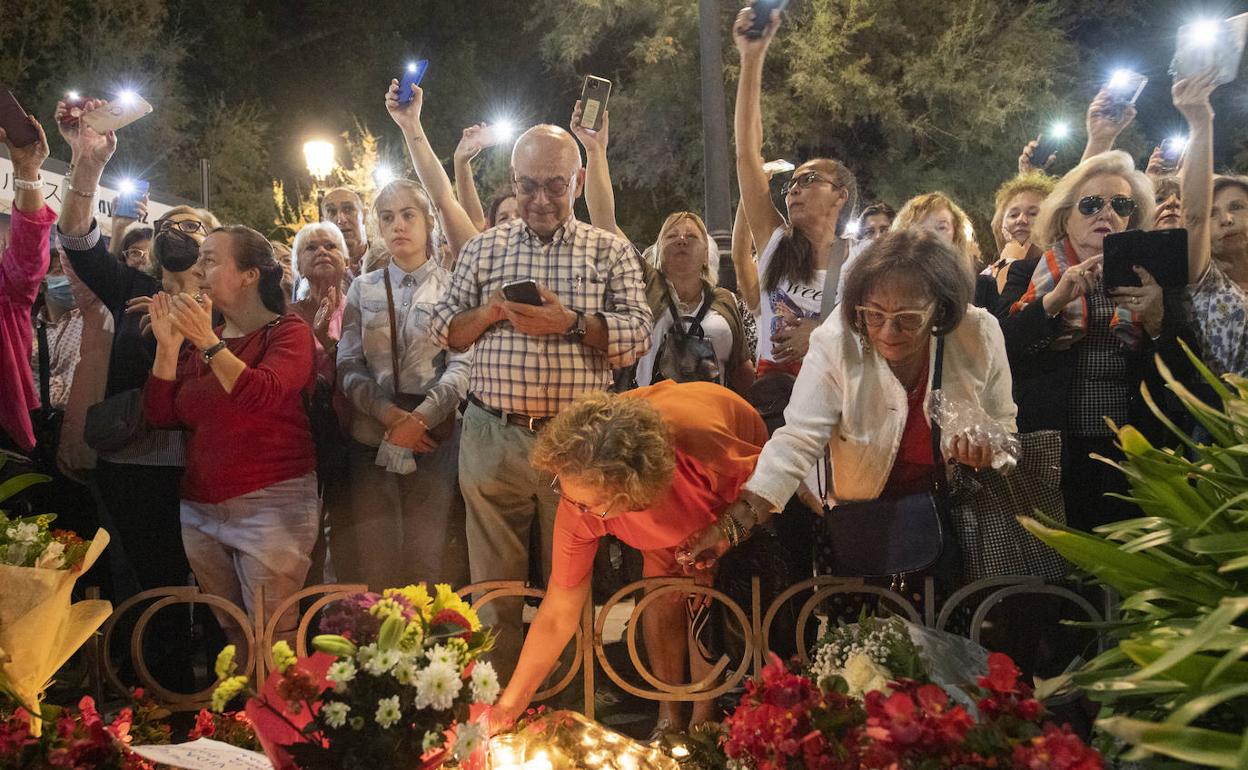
column 614, row 443
column 426, row 209
column 1036, row 182
column 1055, row 211
column 673, row 220
column 922, row 206
column 205, row 216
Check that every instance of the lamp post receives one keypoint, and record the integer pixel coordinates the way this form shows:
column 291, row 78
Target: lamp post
column 715, row 159
column 319, row 156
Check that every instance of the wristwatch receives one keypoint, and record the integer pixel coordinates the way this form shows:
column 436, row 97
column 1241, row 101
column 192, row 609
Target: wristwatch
column 212, row 351
column 576, row 332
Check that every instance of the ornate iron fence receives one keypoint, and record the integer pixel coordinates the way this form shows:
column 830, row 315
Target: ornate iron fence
column 756, row 626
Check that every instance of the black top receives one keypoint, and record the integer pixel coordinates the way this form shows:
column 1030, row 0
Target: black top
column 115, row 283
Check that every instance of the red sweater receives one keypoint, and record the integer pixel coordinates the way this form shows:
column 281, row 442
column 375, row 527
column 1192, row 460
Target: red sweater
column 254, row 436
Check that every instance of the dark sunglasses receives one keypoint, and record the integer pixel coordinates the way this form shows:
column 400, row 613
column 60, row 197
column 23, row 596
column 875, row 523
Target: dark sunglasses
column 1123, row 206
column 803, row 181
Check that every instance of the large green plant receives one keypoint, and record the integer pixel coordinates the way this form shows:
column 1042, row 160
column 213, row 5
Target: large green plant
column 1176, row 683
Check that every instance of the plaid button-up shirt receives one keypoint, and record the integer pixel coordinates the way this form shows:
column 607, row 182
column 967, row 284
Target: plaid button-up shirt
column 590, row 270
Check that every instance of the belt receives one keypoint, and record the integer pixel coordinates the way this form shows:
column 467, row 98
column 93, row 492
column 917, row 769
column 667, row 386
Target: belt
column 533, row 424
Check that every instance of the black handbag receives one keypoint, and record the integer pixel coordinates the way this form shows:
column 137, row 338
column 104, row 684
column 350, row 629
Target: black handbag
column 886, row 538
column 687, row 356
column 116, row 421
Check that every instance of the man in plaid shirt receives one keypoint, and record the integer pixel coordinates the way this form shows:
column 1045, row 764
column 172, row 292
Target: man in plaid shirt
column 531, row 361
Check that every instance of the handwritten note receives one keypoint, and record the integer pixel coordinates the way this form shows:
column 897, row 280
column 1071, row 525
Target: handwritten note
column 205, row 754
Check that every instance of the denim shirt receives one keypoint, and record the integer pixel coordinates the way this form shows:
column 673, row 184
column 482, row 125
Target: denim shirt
column 365, row 365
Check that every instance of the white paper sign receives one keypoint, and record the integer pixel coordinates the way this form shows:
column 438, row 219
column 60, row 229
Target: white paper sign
column 205, row 754
column 54, row 193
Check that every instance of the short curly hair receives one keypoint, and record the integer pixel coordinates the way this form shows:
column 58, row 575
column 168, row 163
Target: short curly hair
column 1036, row 182
column 921, row 206
column 619, row 444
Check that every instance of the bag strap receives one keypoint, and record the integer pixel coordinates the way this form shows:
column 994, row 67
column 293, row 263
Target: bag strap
column 394, row 330
column 832, row 278
column 937, row 374
column 45, row 363
column 677, row 319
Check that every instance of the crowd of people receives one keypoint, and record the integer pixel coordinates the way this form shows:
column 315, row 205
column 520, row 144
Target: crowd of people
column 381, row 403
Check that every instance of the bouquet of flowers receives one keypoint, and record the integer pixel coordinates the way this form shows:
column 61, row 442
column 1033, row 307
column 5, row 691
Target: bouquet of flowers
column 786, row 721
column 78, row 740
column 392, row 685
column 40, row 626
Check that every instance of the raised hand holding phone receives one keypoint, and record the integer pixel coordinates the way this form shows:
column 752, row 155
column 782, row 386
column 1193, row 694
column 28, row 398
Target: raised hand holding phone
column 88, row 145
column 117, row 114
column 763, row 11
column 593, row 102
column 15, row 122
column 405, row 115
column 595, row 140
column 412, row 75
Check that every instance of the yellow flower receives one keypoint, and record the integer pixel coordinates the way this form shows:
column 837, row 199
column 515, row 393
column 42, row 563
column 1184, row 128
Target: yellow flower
column 416, row 595
column 225, row 662
column 283, row 657
column 227, row 691
column 386, row 608
column 447, row 599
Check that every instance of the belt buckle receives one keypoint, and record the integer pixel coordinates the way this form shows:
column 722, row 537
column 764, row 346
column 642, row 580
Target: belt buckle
column 533, row 424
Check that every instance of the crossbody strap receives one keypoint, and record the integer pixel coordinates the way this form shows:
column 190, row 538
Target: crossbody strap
column 394, row 331
column 45, row 363
column 676, row 317
column 937, row 374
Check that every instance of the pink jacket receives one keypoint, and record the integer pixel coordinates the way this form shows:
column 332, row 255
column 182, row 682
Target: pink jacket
column 22, row 269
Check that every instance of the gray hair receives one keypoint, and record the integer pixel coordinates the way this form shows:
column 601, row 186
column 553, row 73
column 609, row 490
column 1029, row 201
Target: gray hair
column 307, row 231
column 1055, row 211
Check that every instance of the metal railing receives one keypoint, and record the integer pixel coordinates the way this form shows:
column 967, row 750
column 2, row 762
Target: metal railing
column 756, row 621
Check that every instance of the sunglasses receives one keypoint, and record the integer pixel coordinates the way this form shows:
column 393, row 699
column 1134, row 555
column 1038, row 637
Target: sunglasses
column 554, row 188
column 188, row 226
column 803, row 181
column 906, row 320
column 1123, row 206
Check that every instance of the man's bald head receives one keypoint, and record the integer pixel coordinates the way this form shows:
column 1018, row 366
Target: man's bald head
column 546, row 166
column 344, row 207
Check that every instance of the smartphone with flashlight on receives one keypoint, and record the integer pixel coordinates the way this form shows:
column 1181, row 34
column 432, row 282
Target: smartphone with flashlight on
column 1124, row 88
column 15, row 121
column 413, row 73
column 117, row 114
column 73, row 108
column 1216, row 44
column 131, row 192
column 1172, row 150
column 1050, row 144
column 762, row 16
column 594, row 95
column 780, row 166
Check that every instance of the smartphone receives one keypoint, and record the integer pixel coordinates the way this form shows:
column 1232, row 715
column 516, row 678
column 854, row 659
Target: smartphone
column 412, row 75
column 1172, row 150
column 73, row 108
column 496, row 133
column 128, row 200
column 524, row 292
column 117, row 114
column 1163, row 253
column 1124, row 88
column 1044, row 148
column 781, row 166
column 762, row 16
column 594, row 102
column 1205, row 44
column 15, row 121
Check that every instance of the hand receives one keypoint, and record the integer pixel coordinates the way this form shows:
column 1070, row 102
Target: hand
column 29, row 159
column 88, row 145
column 551, row 317
column 595, row 141
column 810, row 499
column 1191, row 96
column 977, row 453
column 1156, row 165
column 1027, row 164
column 141, row 306
column 1102, row 124
column 1076, row 282
column 470, row 144
column 405, row 116
column 85, row 298
column 162, row 325
column 792, row 341
column 412, row 433
column 193, row 320
column 751, row 45
column 121, row 223
column 702, row 550
column 503, row 714
column 325, row 314
column 1144, row 300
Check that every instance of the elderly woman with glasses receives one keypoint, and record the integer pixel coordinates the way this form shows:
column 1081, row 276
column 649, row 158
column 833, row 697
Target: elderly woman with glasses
column 651, row 467
column 1079, row 351
column 861, row 396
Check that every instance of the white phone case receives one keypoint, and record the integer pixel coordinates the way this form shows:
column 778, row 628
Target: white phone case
column 115, row 115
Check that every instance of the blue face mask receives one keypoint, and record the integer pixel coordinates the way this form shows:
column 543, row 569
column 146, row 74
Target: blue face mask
column 59, row 293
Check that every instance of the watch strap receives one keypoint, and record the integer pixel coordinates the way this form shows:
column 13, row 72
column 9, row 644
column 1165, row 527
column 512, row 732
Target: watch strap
column 212, row 351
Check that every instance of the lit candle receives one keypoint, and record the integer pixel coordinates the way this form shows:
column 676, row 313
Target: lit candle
column 539, row 762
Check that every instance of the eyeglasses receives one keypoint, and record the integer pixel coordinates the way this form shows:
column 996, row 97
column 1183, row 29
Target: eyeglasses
column 135, row 254
column 188, row 226
column 906, row 320
column 554, row 188
column 803, row 181
column 577, row 504
column 1123, row 206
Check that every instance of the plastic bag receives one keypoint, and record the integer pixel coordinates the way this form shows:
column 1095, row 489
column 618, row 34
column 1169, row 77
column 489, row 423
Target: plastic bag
column 958, row 418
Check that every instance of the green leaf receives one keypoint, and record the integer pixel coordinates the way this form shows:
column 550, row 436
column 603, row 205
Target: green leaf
column 18, row 484
column 1190, row 744
column 1198, row 706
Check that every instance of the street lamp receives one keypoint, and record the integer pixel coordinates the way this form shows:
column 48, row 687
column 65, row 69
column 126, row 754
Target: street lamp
column 319, row 156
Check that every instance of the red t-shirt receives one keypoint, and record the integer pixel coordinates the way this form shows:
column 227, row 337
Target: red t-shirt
column 717, row 437
column 257, row 434
column 912, row 470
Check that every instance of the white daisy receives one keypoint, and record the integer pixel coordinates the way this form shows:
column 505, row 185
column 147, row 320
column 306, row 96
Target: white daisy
column 468, row 739
column 443, row 654
column 484, row 683
column 437, row 685
column 382, row 661
column 340, row 672
column 335, row 713
column 388, row 711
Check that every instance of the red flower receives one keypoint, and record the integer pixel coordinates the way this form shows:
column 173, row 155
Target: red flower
column 205, row 726
column 295, row 686
column 1057, row 749
column 450, row 617
column 1002, row 675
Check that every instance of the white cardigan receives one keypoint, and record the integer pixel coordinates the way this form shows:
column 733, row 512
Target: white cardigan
column 847, row 398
